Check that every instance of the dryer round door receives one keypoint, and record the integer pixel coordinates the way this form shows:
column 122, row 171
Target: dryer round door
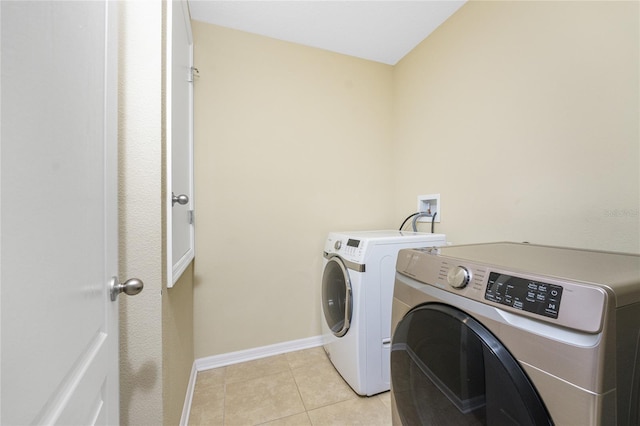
column 448, row 369
column 337, row 303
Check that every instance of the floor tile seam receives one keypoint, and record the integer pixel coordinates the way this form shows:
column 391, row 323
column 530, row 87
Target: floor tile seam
column 304, row 404
column 295, row 380
column 200, row 406
column 292, row 367
column 353, row 395
column 285, row 417
column 379, row 401
column 220, row 381
column 321, row 408
column 311, row 420
column 329, row 404
column 273, row 373
column 306, row 409
column 209, row 388
column 280, row 418
column 224, row 405
column 340, row 402
column 252, row 361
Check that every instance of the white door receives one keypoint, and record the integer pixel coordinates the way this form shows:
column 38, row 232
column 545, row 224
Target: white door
column 58, row 213
column 180, row 241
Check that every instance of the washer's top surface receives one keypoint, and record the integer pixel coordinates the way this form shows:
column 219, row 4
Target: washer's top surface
column 619, row 271
column 385, row 234
column 356, row 246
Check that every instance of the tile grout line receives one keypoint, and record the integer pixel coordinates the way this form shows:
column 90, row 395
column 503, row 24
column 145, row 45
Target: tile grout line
column 224, row 396
column 296, row 366
column 306, row 410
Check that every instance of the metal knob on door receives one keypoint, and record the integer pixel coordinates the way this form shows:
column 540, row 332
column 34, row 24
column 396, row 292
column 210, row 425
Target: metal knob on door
column 131, row 287
column 180, row 199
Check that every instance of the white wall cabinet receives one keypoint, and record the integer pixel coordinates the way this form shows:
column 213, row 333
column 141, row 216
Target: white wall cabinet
column 179, row 179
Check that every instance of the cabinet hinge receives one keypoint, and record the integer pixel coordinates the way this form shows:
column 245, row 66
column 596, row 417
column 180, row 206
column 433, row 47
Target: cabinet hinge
column 191, row 217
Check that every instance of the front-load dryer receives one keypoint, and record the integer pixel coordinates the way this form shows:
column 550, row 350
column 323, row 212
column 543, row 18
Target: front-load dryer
column 507, row 333
column 357, row 289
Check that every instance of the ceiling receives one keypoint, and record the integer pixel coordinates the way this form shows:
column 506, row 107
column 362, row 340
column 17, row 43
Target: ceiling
column 381, row 31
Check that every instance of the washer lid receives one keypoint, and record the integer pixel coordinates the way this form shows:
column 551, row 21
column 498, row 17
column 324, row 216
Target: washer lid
column 355, row 246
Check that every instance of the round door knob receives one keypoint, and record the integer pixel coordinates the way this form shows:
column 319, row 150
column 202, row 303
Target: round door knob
column 180, row 199
column 131, row 287
column 458, row 277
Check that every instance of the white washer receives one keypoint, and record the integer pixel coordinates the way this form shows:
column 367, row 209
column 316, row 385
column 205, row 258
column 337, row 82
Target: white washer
column 357, row 293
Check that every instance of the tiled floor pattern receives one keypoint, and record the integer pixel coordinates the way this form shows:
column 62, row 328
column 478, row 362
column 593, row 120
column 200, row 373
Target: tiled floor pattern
column 298, row 388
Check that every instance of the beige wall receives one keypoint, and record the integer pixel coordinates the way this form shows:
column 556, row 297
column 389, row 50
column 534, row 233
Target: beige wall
column 291, row 142
column 177, row 345
column 156, row 326
column 141, row 254
column 522, row 115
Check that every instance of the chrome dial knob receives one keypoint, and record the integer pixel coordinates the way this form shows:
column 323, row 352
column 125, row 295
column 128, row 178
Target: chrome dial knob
column 458, row 277
column 337, row 245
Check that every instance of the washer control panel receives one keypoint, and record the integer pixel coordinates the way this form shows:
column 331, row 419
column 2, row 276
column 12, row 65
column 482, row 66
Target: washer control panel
column 525, row 294
column 350, row 249
column 353, row 247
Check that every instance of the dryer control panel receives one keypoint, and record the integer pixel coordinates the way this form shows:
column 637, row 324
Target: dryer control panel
column 529, row 295
column 560, row 301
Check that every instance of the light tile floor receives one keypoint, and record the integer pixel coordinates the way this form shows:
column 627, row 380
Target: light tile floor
column 297, row 388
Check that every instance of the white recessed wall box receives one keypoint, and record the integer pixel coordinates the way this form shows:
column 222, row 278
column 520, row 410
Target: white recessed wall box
column 429, row 204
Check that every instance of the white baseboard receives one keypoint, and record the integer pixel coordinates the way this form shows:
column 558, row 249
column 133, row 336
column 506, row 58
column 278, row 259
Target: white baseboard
column 186, row 408
column 231, row 358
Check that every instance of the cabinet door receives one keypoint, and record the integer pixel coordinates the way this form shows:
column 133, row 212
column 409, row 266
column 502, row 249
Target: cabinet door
column 180, row 204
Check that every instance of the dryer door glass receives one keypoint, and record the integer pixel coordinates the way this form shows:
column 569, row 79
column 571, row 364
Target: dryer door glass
column 336, row 296
column 448, row 369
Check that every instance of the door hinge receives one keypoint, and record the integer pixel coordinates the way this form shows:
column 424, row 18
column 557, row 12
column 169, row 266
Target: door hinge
column 191, row 217
column 193, row 73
